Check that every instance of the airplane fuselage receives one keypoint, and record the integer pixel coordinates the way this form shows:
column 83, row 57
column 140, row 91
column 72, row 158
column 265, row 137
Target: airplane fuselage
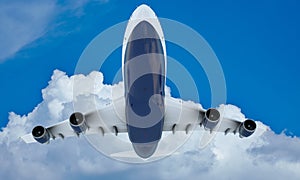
column 144, row 77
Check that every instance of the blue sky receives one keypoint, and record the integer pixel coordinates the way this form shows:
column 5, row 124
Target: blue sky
column 256, row 43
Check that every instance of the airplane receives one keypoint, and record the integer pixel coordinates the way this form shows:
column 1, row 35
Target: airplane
column 144, row 110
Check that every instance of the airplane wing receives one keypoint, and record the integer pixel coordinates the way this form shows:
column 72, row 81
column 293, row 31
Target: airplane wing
column 110, row 119
column 186, row 115
column 61, row 129
column 179, row 116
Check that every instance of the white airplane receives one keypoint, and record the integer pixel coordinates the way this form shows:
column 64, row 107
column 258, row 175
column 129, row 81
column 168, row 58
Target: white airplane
column 144, row 112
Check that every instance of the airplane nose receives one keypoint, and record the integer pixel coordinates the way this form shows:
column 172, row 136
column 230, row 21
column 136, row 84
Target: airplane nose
column 143, row 30
column 145, row 150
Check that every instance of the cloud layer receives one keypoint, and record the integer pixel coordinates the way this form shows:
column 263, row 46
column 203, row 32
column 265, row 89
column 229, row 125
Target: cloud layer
column 265, row 155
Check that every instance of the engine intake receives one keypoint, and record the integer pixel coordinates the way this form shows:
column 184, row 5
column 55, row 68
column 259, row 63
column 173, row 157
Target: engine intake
column 211, row 119
column 247, row 128
column 77, row 122
column 40, row 134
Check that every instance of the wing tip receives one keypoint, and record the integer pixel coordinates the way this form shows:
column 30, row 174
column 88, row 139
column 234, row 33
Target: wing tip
column 27, row 138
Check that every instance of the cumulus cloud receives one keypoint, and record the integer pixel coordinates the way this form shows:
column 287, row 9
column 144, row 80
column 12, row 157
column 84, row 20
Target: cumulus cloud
column 265, row 155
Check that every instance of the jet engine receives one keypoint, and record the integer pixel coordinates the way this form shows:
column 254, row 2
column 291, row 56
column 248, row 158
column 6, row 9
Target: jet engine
column 40, row 134
column 247, row 128
column 77, row 122
column 211, row 119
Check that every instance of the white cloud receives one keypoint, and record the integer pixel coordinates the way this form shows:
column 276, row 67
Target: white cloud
column 266, row 155
column 23, row 22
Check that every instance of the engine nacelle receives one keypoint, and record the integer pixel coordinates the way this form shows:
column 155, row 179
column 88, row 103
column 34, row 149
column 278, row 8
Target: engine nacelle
column 40, row 134
column 77, row 122
column 211, row 119
column 247, row 128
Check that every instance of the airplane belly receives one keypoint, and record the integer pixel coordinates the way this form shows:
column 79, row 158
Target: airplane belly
column 144, row 80
column 145, row 109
